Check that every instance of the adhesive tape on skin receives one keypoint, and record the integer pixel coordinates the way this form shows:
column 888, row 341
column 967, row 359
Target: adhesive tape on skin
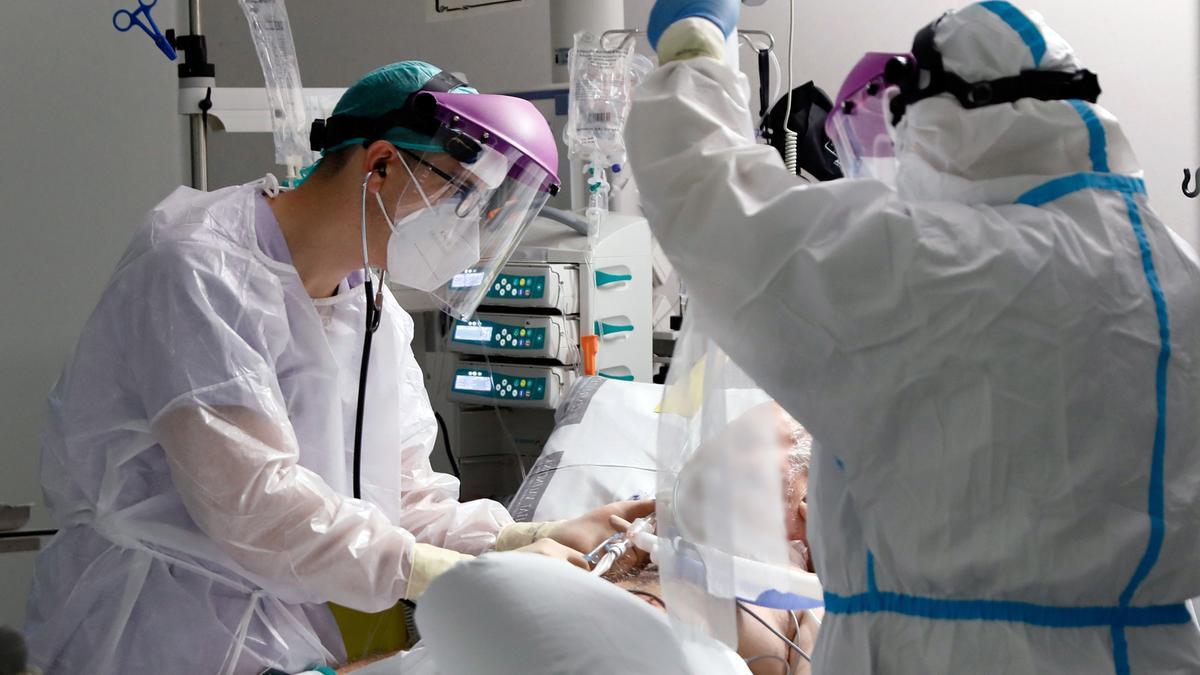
column 691, row 38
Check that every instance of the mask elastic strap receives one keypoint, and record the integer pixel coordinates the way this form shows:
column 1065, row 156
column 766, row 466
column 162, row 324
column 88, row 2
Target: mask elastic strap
column 416, row 183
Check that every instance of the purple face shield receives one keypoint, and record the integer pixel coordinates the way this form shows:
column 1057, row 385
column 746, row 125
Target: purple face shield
column 858, row 123
column 494, row 174
column 509, row 125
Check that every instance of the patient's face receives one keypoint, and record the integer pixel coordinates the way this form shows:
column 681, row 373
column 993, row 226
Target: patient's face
column 795, row 445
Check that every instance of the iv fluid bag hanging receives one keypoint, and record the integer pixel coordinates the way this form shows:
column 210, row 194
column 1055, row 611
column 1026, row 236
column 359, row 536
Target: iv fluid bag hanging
column 601, row 91
column 290, row 117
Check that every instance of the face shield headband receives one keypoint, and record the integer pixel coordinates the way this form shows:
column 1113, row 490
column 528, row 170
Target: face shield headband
column 417, row 114
column 925, row 76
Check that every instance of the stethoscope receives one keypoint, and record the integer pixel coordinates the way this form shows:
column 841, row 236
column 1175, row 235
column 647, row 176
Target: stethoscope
column 374, row 306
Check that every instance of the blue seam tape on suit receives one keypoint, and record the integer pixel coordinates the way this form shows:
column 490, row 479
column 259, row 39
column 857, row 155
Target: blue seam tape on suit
column 1021, row 25
column 1156, row 497
column 1097, row 141
column 1046, row 616
column 1061, row 187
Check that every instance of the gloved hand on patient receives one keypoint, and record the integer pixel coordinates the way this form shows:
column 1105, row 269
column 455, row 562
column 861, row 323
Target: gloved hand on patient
column 569, row 540
column 585, row 533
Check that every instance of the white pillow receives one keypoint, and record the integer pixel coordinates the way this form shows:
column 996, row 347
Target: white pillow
column 520, row 613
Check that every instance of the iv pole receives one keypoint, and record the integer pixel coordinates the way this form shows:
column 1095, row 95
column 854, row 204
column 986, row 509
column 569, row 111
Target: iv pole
column 199, row 123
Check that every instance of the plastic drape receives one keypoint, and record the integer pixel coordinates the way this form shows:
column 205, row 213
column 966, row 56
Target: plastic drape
column 722, row 479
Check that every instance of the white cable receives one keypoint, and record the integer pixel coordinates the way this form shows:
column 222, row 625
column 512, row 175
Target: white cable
column 790, row 140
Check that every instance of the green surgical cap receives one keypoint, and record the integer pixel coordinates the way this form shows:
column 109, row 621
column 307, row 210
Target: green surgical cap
column 381, row 91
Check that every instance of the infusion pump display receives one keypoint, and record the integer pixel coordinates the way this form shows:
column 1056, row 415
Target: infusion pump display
column 510, row 385
column 499, row 385
column 519, row 336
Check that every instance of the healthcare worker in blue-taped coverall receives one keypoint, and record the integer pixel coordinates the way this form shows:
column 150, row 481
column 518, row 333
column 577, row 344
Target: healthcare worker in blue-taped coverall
column 989, row 332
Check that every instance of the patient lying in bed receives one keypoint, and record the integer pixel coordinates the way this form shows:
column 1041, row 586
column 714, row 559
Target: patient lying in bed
column 514, row 613
column 762, row 632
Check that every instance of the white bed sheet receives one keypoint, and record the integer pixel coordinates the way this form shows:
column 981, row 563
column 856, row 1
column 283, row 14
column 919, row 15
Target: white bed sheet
column 603, row 449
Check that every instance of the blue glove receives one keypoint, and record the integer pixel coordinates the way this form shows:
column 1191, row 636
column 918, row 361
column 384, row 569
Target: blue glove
column 724, row 13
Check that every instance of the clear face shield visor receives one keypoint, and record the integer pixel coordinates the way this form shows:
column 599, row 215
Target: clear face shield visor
column 858, row 124
column 457, row 221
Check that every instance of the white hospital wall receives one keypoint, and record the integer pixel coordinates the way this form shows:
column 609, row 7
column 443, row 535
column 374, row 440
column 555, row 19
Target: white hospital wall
column 1147, row 56
column 90, row 139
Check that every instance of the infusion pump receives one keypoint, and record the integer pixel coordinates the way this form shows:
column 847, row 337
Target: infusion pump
column 555, row 290
column 498, row 377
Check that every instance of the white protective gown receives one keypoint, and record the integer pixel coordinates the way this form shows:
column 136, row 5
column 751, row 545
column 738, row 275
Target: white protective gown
column 998, row 363
column 198, row 461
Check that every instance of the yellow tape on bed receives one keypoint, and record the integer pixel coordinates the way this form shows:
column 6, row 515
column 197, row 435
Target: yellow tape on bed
column 685, row 398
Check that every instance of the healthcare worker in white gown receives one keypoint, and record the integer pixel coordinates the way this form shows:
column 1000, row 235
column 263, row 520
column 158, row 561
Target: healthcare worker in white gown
column 198, row 457
column 996, row 350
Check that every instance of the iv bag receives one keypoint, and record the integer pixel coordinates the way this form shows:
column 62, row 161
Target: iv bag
column 290, row 117
column 601, row 91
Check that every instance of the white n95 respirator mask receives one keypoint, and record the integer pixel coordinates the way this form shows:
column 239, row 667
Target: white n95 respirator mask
column 429, row 247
